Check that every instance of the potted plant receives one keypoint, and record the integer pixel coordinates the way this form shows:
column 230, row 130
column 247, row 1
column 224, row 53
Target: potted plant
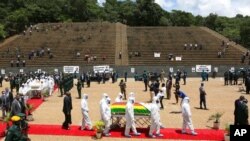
column 227, row 132
column 216, row 118
column 99, row 127
column 44, row 95
column 29, row 109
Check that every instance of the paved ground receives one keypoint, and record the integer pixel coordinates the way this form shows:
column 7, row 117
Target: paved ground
column 220, row 98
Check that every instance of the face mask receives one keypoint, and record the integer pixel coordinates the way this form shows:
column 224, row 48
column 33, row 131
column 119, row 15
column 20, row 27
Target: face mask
column 132, row 101
column 108, row 102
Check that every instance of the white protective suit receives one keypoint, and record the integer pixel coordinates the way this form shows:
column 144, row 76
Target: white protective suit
column 186, row 114
column 86, row 123
column 155, row 118
column 106, row 115
column 130, row 119
column 119, row 98
column 51, row 85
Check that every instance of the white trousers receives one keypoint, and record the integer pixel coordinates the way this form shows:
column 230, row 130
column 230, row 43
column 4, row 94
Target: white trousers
column 129, row 125
column 107, row 126
column 86, row 123
column 187, row 122
column 155, row 126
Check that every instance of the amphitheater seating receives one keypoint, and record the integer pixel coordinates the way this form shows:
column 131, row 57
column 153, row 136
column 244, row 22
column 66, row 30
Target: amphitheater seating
column 64, row 40
column 100, row 40
column 171, row 40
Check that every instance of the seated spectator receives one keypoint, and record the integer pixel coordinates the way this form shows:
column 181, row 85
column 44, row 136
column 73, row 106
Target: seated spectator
column 18, row 57
column 228, row 44
column 103, row 57
column 185, row 46
column 24, row 63
column 170, row 56
column 130, row 54
column 190, row 46
column 51, row 56
column 195, row 46
column 243, row 57
column 139, row 54
column 11, row 63
column 95, row 58
column 48, row 50
column 78, row 54
column 223, row 43
column 219, row 54
column 86, row 57
column 120, row 55
column 247, row 53
column 17, row 63
column 200, row 47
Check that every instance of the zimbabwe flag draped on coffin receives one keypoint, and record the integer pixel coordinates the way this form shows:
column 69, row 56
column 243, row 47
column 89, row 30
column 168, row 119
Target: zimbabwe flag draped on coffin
column 119, row 108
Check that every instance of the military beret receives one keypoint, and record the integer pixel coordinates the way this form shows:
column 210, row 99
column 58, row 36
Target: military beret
column 15, row 118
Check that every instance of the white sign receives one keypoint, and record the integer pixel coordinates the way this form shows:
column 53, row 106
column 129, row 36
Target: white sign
column 178, row 58
column 132, row 70
column 201, row 68
column 71, row 69
column 193, row 69
column 56, row 70
column 39, row 70
column 157, row 54
column 2, row 71
column 101, row 69
column 21, row 70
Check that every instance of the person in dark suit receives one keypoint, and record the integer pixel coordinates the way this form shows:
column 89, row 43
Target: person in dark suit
column 202, row 96
column 16, row 106
column 67, row 107
column 243, row 117
column 237, row 112
column 79, row 88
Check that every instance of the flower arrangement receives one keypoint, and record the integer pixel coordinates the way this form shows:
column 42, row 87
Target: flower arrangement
column 99, row 126
column 216, row 117
column 227, row 129
column 29, row 108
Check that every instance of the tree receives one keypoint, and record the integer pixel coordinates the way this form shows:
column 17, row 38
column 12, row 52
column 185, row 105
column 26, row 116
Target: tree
column 245, row 33
column 16, row 21
column 147, row 9
column 198, row 20
column 2, row 32
column 181, row 18
column 210, row 21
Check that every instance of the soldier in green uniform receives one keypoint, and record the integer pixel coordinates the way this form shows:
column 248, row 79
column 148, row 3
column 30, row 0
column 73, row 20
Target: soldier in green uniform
column 61, row 87
column 14, row 133
column 79, row 88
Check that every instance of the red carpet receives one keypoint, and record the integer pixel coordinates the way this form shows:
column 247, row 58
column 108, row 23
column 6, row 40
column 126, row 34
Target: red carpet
column 36, row 102
column 203, row 134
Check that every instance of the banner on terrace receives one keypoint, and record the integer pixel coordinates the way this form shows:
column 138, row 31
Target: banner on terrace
column 205, row 68
column 71, row 69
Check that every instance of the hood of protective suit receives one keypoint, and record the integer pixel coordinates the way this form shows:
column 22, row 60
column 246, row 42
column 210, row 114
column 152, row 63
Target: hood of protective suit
column 85, row 96
column 132, row 94
column 131, row 100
